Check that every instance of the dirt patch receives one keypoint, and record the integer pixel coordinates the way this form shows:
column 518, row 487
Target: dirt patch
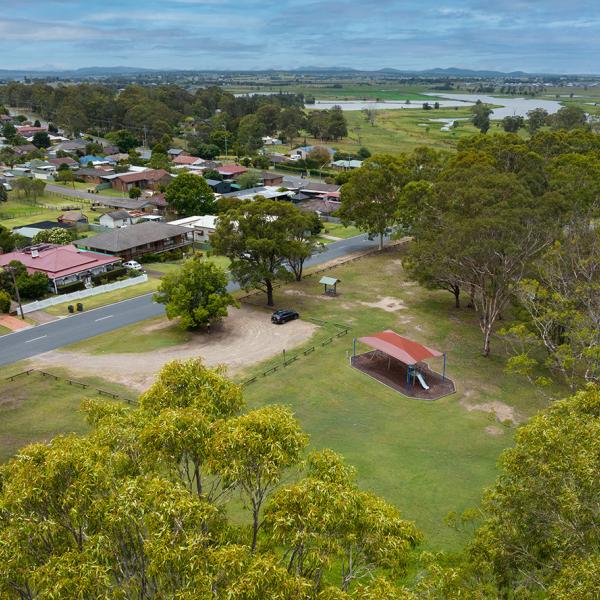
column 503, row 412
column 494, row 430
column 387, row 303
column 295, row 293
column 245, row 337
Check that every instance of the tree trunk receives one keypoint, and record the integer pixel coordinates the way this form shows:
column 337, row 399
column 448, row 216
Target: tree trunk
column 254, row 527
column 487, row 334
column 471, row 297
column 269, row 284
column 456, row 292
column 381, row 241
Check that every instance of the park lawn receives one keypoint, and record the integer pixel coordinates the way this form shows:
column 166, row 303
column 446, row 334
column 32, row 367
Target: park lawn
column 146, row 336
column 79, row 185
column 35, row 409
column 107, row 298
column 340, row 231
column 172, row 266
column 428, row 458
column 16, row 212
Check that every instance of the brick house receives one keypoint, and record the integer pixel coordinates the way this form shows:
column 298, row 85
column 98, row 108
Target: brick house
column 149, row 179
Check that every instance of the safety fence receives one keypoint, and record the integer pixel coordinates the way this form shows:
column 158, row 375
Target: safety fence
column 80, row 384
column 73, row 296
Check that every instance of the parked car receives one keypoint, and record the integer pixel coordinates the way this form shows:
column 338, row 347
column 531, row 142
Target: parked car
column 279, row 317
column 133, row 264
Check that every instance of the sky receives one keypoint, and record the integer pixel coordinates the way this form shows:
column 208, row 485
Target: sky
column 548, row 36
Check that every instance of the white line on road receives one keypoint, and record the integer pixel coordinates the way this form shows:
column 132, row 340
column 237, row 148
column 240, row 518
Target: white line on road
column 35, row 339
column 102, row 318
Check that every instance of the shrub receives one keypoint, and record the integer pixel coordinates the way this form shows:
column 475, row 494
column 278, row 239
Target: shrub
column 4, row 302
column 68, row 288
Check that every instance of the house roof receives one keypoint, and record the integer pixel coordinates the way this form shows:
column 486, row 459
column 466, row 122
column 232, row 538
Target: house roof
column 127, row 238
column 73, row 217
column 57, row 261
column 399, row 347
column 186, row 160
column 117, row 214
column 206, row 221
column 264, row 176
column 149, row 175
column 44, row 225
column 175, row 151
column 315, row 186
column 91, row 172
column 231, row 170
column 126, row 203
column 65, row 160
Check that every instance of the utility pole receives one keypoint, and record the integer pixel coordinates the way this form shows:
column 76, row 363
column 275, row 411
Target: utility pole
column 11, row 270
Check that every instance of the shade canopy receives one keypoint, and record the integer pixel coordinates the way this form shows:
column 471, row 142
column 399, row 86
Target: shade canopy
column 399, row 347
column 329, row 280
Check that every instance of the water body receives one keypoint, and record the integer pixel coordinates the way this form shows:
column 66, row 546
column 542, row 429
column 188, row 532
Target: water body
column 509, row 107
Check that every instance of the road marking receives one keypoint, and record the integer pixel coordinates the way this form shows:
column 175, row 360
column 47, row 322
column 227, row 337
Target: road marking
column 102, row 318
column 35, row 339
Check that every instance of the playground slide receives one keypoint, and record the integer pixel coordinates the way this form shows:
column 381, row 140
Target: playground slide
column 422, row 381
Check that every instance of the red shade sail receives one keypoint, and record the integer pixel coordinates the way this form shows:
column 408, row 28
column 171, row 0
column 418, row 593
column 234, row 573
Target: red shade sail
column 399, row 347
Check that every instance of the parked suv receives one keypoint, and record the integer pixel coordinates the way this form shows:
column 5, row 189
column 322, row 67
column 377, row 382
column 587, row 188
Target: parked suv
column 133, row 264
column 279, row 317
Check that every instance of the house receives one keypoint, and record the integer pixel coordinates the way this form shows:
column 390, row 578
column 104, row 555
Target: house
column 346, row 165
column 202, row 226
column 185, row 160
column 115, row 219
column 319, row 206
column 28, row 131
column 218, row 186
column 269, row 192
column 277, row 159
column 32, row 229
column 95, row 160
column 136, row 240
column 93, row 175
column 174, row 152
column 65, row 160
column 117, row 157
column 151, row 178
column 231, row 170
column 271, row 178
column 141, row 204
column 304, row 151
column 62, row 264
column 24, row 149
column 70, row 146
column 271, row 141
column 73, row 218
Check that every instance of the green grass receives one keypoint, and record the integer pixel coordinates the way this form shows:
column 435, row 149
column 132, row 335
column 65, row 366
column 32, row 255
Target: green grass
column 108, row 297
column 36, row 409
column 78, row 185
column 338, row 230
column 4, row 330
column 147, row 336
column 428, row 458
column 172, row 266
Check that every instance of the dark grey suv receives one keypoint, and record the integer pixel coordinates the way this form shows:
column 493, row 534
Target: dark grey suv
column 279, row 317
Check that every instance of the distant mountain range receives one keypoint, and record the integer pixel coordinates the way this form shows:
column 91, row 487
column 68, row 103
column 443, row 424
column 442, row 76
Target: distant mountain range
column 91, row 72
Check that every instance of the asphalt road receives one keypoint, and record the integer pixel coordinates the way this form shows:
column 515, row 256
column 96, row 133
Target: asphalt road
column 30, row 342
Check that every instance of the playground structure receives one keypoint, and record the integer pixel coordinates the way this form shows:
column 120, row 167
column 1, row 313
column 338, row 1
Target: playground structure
column 400, row 364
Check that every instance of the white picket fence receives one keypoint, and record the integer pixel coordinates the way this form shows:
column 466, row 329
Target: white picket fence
column 74, row 296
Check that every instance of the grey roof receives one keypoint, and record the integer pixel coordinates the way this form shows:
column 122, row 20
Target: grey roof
column 117, row 214
column 175, row 151
column 126, row 203
column 314, row 186
column 127, row 238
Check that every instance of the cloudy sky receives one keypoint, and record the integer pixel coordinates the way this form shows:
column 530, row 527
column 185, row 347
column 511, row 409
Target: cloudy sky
column 532, row 35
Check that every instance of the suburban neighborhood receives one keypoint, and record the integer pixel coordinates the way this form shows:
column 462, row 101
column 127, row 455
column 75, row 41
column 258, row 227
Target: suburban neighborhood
column 290, row 332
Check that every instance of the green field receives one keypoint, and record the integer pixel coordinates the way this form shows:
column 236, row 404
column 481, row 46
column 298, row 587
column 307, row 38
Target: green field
column 34, row 408
column 428, row 458
column 338, row 230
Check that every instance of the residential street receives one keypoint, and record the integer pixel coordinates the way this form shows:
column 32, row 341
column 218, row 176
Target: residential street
column 30, row 342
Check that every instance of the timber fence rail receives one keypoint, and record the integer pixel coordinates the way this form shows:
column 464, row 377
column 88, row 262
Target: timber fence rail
column 80, row 384
column 342, row 331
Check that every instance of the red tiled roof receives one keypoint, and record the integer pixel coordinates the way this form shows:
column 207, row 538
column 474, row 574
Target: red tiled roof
column 231, row 170
column 186, row 160
column 149, row 175
column 58, row 261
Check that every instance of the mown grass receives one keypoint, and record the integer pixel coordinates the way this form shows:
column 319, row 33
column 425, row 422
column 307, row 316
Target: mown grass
column 338, row 230
column 428, row 458
column 36, row 409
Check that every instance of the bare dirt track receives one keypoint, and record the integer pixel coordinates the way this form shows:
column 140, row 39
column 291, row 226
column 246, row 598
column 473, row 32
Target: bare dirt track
column 244, row 338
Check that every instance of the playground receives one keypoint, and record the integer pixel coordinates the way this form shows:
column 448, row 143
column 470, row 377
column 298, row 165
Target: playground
column 400, row 364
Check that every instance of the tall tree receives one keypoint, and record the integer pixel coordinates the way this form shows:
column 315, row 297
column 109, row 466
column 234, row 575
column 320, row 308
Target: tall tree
column 370, row 198
column 189, row 195
column 196, row 293
column 481, row 116
column 256, row 237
